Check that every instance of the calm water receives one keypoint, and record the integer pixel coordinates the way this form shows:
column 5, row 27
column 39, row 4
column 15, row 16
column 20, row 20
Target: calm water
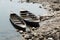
column 7, row 32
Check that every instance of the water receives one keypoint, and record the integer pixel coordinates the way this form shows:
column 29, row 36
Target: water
column 7, row 32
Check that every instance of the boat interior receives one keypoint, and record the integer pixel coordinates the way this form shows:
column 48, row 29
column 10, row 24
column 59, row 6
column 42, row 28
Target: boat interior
column 27, row 15
column 33, row 16
column 16, row 19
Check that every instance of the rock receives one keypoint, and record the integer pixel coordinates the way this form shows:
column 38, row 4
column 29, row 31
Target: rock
column 34, row 28
column 40, row 7
column 50, row 38
column 28, row 36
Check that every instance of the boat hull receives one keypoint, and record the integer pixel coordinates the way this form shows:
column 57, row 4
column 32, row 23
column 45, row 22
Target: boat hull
column 17, row 27
column 32, row 24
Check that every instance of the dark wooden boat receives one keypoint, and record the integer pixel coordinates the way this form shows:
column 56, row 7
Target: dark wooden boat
column 30, row 19
column 17, row 22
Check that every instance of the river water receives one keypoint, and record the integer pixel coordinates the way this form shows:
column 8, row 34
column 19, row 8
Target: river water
column 7, row 32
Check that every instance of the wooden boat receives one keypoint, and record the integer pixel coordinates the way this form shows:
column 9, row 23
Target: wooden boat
column 30, row 19
column 17, row 22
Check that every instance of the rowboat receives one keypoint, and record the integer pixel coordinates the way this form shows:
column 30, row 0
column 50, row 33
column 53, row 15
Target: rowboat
column 17, row 22
column 30, row 19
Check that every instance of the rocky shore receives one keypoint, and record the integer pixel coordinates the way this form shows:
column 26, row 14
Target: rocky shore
column 49, row 25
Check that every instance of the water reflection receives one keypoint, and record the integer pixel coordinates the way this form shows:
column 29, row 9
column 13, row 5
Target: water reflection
column 7, row 32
